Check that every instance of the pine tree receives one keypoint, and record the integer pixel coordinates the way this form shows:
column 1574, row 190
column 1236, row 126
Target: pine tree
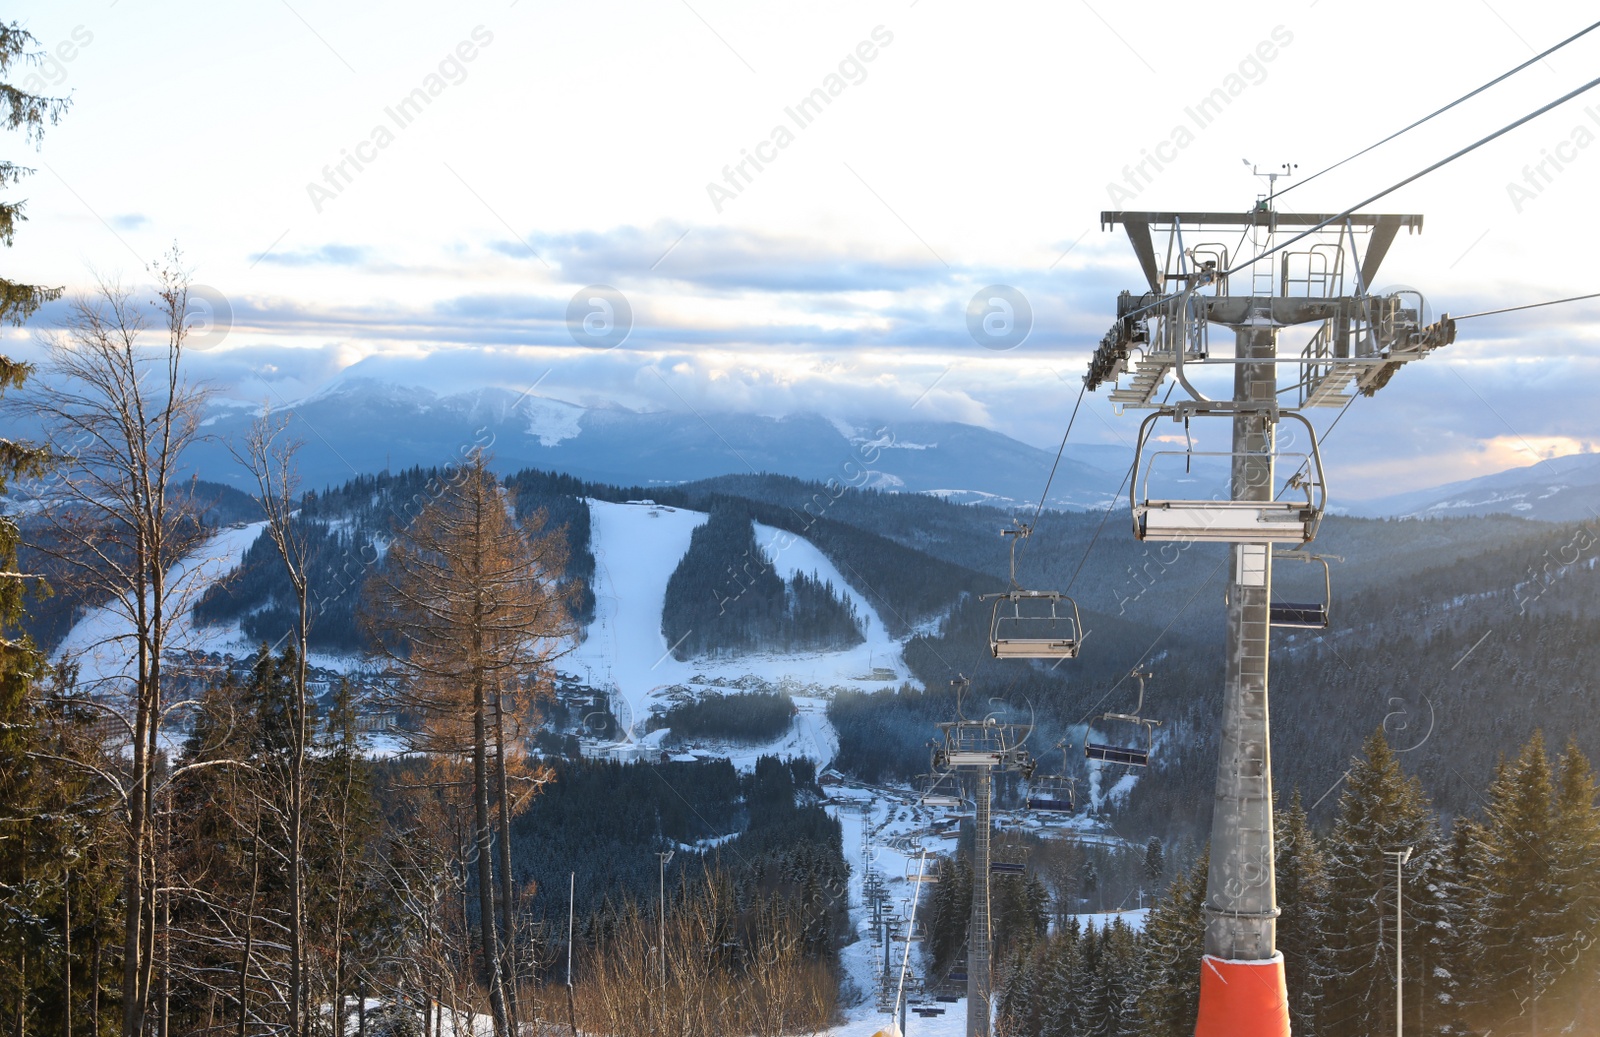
column 1575, row 875
column 1061, row 999
column 1451, row 951
column 1302, row 906
column 1155, row 862
column 1174, row 934
column 1521, row 908
column 1381, row 809
column 1111, row 1010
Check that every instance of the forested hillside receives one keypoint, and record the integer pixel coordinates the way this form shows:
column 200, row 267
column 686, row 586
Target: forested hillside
column 725, row 596
column 1498, row 918
column 346, row 531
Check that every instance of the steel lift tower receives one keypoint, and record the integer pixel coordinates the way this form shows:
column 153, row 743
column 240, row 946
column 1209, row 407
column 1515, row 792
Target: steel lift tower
column 1259, row 273
column 977, row 748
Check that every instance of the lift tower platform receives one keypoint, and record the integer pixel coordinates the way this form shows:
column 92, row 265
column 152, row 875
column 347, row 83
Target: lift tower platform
column 1243, row 271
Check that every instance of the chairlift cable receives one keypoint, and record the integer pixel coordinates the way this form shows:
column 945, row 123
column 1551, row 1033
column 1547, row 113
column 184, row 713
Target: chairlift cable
column 1115, row 497
column 1146, row 654
column 1082, row 389
column 1441, row 111
column 1529, row 306
column 1306, row 464
column 1502, row 131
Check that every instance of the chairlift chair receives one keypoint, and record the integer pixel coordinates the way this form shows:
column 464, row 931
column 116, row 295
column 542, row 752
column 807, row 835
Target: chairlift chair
column 940, row 790
column 1029, row 624
column 1052, row 794
column 1228, row 521
column 1127, row 755
column 1007, row 868
column 1304, row 615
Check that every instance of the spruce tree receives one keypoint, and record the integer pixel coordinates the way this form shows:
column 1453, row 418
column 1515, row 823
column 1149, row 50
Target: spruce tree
column 1302, row 903
column 1061, row 999
column 1521, row 908
column 1382, row 809
column 1174, row 942
column 1111, row 1010
column 1575, row 876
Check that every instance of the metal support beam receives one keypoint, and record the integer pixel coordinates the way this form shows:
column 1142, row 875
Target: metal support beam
column 1378, row 247
column 1241, row 904
column 1145, row 249
column 1257, row 218
column 978, row 1009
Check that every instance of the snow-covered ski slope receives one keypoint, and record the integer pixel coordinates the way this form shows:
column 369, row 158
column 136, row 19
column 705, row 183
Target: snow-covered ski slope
column 636, row 549
column 101, row 643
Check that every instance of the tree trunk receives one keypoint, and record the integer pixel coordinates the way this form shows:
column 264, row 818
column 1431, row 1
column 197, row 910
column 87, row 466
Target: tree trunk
column 509, row 949
column 486, row 926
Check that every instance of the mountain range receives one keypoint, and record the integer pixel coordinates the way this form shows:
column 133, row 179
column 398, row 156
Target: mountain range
column 364, row 425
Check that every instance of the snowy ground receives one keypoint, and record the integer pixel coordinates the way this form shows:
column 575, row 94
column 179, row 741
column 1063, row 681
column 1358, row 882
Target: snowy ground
column 100, row 641
column 636, row 548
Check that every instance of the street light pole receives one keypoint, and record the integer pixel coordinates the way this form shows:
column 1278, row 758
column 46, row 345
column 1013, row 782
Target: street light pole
column 661, row 948
column 1400, row 858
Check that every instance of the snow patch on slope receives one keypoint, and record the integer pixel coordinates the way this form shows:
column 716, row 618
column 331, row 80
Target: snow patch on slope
column 636, row 549
column 101, row 642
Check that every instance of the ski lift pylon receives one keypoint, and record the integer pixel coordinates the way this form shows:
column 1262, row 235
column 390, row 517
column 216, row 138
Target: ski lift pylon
column 1302, row 615
column 1030, row 624
column 1127, row 755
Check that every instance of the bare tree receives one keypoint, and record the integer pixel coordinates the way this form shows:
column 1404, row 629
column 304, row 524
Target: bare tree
column 269, row 456
column 469, row 606
column 120, row 413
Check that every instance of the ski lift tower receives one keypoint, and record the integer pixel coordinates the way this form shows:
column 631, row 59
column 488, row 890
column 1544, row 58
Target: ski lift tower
column 1257, row 273
column 978, row 748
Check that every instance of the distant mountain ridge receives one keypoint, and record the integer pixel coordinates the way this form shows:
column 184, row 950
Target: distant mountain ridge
column 1559, row 489
column 361, row 426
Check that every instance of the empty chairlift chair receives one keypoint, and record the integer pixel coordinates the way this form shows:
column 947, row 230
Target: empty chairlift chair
column 1304, row 615
column 1157, row 516
column 1052, row 794
column 940, row 790
column 1029, row 624
column 1136, row 754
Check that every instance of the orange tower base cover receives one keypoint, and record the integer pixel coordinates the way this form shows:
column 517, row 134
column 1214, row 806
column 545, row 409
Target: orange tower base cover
column 1242, row 998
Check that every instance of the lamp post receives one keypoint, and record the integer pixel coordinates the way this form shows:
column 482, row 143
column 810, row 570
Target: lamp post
column 1400, row 858
column 662, row 945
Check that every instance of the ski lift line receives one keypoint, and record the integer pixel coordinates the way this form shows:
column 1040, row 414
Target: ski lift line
column 1112, row 506
column 1502, row 131
column 1165, row 630
column 1059, row 451
column 1529, row 306
column 1304, row 465
column 905, row 962
column 1103, row 518
column 1464, row 97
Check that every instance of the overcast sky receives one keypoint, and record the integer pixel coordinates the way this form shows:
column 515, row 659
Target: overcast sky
column 419, row 190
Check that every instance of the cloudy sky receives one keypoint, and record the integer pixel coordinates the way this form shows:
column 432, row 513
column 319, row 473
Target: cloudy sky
column 418, row 191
